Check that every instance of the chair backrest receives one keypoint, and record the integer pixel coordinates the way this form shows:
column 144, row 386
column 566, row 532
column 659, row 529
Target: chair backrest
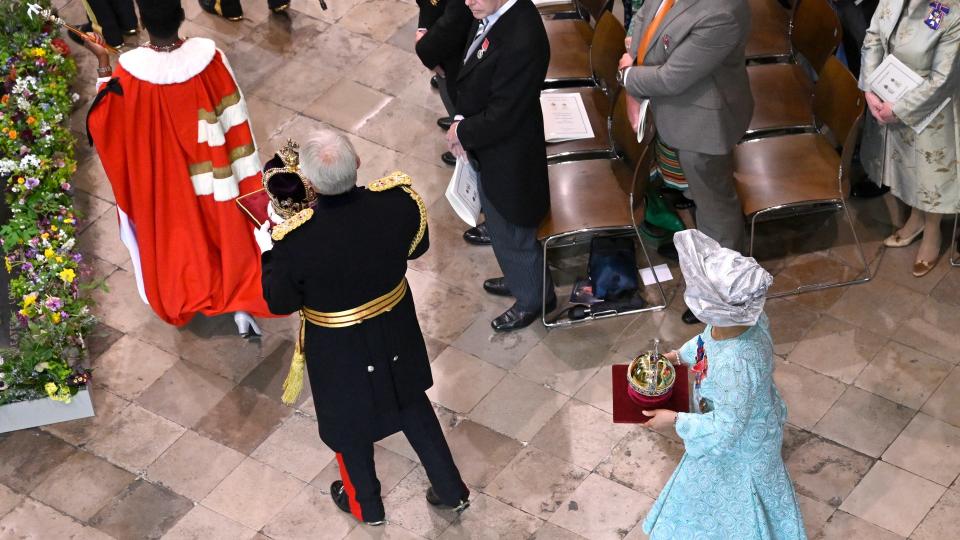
column 622, row 135
column 815, row 31
column 641, row 174
column 595, row 7
column 837, row 101
column 606, row 48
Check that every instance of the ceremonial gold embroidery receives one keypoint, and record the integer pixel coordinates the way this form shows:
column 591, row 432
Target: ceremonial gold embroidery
column 395, row 179
column 291, row 223
column 402, row 180
column 221, row 172
column 434, row 2
column 210, row 117
column 423, row 219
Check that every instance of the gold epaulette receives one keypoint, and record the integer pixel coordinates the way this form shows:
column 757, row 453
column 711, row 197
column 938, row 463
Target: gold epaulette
column 291, row 223
column 403, row 181
column 395, row 179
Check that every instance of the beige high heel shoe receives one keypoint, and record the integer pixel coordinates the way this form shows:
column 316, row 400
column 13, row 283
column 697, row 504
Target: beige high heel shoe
column 922, row 268
column 896, row 241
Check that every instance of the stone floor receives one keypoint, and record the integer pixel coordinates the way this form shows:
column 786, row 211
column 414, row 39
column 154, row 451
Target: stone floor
column 190, row 439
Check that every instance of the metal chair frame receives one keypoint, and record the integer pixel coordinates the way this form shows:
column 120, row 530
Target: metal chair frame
column 954, row 246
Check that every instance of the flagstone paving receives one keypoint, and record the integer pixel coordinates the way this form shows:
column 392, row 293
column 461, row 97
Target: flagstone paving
column 191, row 441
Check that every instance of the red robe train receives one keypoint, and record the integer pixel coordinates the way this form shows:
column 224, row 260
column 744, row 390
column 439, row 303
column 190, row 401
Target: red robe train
column 173, row 134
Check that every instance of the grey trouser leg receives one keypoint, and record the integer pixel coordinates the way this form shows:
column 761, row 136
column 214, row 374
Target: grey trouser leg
column 719, row 214
column 445, row 95
column 519, row 255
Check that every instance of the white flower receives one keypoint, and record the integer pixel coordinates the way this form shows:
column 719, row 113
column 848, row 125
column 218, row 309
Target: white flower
column 75, row 97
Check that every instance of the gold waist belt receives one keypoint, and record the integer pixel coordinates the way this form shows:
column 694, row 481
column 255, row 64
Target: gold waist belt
column 350, row 317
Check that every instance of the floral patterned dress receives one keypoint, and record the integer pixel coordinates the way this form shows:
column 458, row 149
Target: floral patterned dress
column 731, row 481
column 921, row 169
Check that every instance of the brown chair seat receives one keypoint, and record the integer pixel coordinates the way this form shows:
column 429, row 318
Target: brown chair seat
column 553, row 10
column 783, row 97
column 589, row 194
column 785, row 170
column 598, row 107
column 769, row 30
column 569, row 49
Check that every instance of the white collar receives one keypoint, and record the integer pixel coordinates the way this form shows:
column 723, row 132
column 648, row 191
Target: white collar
column 496, row 14
column 171, row 67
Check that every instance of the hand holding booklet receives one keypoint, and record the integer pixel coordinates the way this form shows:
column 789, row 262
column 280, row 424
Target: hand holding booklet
column 463, row 192
column 893, row 79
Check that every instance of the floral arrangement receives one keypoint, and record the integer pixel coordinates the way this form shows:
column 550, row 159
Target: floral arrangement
column 52, row 311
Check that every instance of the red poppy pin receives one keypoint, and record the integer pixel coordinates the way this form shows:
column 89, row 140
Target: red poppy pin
column 483, row 48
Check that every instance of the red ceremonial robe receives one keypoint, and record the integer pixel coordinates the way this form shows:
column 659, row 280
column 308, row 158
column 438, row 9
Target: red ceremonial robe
column 176, row 144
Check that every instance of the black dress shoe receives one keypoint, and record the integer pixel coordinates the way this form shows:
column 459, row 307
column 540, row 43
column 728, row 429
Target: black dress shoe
column 278, row 6
column 689, row 318
column 516, row 318
column 342, row 500
column 668, row 251
column 497, row 286
column 865, row 189
column 445, row 122
column 231, row 15
column 435, row 81
column 478, row 235
column 448, row 158
column 462, row 505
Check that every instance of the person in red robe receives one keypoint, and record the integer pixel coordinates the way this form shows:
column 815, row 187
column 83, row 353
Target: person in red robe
column 172, row 130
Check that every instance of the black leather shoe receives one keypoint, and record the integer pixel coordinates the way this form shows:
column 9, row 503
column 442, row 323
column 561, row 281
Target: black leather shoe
column 342, row 500
column 278, row 6
column 689, row 318
column 435, row 81
column 448, row 158
column 497, row 286
column 865, row 189
column 445, row 122
column 211, row 7
column 478, row 235
column 462, row 505
column 516, row 318
column 668, row 251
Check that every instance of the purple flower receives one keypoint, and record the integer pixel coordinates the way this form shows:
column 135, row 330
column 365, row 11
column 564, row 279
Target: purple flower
column 65, row 186
column 32, row 182
column 64, row 315
column 77, row 257
column 26, row 267
column 31, row 251
column 53, row 303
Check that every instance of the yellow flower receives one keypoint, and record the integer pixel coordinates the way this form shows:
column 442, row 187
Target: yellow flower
column 45, row 236
column 49, row 253
column 67, row 275
column 53, row 227
column 12, row 134
column 37, row 51
column 59, row 259
column 20, row 180
column 55, row 317
column 6, row 262
column 24, row 312
column 31, row 120
column 29, row 300
column 68, row 221
column 50, row 388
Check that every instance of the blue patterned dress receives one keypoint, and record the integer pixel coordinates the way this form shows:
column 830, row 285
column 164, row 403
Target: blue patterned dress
column 731, row 482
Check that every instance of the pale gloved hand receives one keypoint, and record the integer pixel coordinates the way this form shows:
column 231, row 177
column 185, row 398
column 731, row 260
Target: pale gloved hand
column 264, row 240
column 273, row 216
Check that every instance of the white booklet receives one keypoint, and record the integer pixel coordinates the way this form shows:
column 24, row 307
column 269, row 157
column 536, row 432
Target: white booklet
column 541, row 3
column 893, row 79
column 564, row 117
column 642, row 123
column 463, row 193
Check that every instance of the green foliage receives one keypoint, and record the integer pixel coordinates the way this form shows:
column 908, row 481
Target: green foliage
column 39, row 241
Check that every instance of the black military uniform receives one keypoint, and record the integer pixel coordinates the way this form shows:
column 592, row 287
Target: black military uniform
column 342, row 264
column 448, row 24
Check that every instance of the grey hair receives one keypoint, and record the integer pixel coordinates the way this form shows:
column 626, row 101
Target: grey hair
column 329, row 161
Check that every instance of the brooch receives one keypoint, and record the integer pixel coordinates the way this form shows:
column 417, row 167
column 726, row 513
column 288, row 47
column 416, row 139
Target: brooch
column 483, row 48
column 937, row 13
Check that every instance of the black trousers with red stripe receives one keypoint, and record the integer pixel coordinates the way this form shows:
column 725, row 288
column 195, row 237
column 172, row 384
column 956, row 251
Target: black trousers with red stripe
column 420, row 425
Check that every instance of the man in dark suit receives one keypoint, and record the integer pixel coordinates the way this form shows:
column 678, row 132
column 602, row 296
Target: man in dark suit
column 342, row 263
column 441, row 36
column 498, row 96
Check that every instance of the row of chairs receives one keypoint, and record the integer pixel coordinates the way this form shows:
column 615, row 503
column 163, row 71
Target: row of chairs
column 795, row 158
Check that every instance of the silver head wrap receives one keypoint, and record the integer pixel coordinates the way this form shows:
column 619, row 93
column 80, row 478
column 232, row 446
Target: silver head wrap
column 724, row 288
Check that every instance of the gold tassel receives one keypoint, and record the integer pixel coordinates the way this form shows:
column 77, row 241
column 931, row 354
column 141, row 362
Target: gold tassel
column 293, row 384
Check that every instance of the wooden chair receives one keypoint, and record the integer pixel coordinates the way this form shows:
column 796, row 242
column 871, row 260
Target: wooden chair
column 600, row 196
column 597, row 100
column 570, row 41
column 769, row 31
column 792, row 173
column 783, row 93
